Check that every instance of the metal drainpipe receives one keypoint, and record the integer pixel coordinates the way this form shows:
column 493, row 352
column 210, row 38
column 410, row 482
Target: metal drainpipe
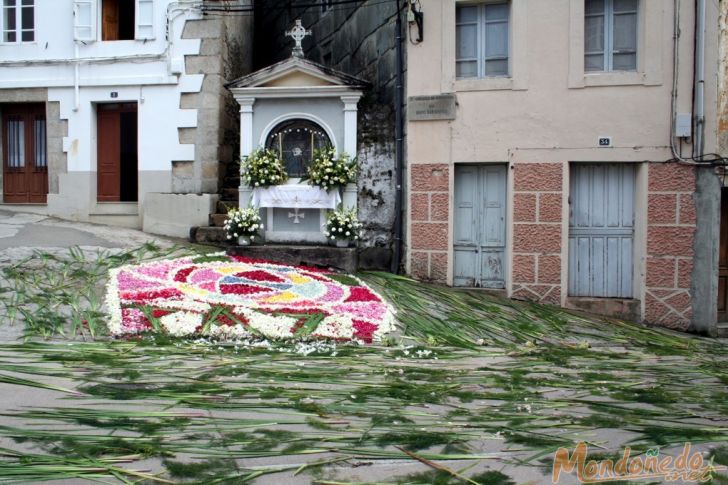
column 399, row 146
column 700, row 79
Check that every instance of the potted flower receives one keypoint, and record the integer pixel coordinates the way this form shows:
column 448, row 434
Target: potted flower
column 342, row 226
column 263, row 168
column 329, row 170
column 243, row 224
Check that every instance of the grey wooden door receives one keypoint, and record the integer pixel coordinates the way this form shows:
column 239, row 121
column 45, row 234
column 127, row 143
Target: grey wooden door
column 480, row 229
column 601, row 230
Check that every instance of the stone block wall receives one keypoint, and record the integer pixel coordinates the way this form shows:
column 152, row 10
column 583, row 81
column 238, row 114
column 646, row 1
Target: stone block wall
column 671, row 221
column 537, row 231
column 225, row 54
column 429, row 215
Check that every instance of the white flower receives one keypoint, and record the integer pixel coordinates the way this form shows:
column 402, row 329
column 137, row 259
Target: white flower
column 179, row 324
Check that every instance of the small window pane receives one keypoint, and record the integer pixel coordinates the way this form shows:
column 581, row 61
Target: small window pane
column 28, row 36
column 467, row 14
column 594, row 62
column 496, row 40
column 496, row 67
column 10, row 37
column 594, row 34
column 9, row 19
column 39, row 140
column 625, row 5
column 467, row 44
column 467, row 69
column 16, row 143
column 27, row 18
column 9, row 3
column 496, row 12
column 624, row 62
column 625, row 32
column 594, row 6
column 27, row 2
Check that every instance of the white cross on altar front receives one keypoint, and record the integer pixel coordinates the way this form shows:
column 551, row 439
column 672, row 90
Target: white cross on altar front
column 296, row 216
column 298, row 33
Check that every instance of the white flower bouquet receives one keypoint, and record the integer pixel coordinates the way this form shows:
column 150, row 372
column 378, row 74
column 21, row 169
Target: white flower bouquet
column 329, row 170
column 342, row 225
column 263, row 168
column 243, row 222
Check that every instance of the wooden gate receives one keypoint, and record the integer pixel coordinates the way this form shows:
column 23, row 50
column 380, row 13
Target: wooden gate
column 25, row 156
column 480, row 229
column 601, row 230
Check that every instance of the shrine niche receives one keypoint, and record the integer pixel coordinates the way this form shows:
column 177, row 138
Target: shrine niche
column 294, row 108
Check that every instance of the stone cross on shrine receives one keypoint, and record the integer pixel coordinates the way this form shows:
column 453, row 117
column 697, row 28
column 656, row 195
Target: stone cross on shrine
column 298, row 33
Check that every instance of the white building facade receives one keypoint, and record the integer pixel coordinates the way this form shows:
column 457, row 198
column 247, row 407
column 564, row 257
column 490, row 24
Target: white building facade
column 103, row 103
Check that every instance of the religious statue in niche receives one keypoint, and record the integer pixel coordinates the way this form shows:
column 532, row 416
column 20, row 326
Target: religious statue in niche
column 295, row 141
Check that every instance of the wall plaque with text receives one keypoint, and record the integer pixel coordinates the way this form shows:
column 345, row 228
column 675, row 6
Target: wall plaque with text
column 428, row 108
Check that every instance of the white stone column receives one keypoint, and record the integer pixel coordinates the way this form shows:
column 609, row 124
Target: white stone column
column 246, row 125
column 350, row 110
column 245, row 193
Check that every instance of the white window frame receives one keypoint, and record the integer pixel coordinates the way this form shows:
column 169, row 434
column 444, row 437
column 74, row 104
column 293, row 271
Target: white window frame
column 18, row 23
column 140, row 27
column 90, row 28
column 652, row 23
column 608, row 50
column 481, row 59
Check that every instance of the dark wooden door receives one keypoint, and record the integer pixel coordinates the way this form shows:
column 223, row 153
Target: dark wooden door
column 116, row 151
column 723, row 259
column 25, row 156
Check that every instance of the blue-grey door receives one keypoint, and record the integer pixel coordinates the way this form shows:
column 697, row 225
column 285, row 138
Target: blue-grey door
column 480, row 226
column 601, row 230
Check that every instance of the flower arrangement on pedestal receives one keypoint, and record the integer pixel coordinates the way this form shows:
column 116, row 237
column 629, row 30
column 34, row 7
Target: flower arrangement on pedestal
column 263, row 168
column 330, row 170
column 342, row 226
column 243, row 224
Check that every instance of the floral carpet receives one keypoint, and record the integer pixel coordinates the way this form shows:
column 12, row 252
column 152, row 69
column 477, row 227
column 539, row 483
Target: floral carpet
column 231, row 297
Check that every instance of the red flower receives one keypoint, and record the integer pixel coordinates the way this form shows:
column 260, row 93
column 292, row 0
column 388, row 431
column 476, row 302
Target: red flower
column 160, row 313
column 182, row 274
column 364, row 330
column 260, row 276
column 240, row 289
column 360, row 293
column 143, row 296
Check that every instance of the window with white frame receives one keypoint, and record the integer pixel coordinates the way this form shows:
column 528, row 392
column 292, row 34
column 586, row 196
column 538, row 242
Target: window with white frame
column 18, row 20
column 610, row 35
column 120, row 19
column 482, row 40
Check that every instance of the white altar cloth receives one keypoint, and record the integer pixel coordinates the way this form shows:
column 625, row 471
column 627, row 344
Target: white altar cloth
column 295, row 197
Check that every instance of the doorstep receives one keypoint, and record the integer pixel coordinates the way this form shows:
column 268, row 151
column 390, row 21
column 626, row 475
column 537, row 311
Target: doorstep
column 624, row 308
column 343, row 259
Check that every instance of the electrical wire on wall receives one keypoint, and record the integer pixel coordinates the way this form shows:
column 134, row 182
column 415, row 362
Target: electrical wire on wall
column 415, row 18
column 713, row 159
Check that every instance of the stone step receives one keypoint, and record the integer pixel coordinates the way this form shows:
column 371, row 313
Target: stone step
column 217, row 220
column 208, row 235
column 229, row 193
column 232, row 181
column 344, row 259
column 223, row 206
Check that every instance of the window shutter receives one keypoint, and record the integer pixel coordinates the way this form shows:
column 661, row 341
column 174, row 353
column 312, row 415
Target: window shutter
column 144, row 19
column 84, row 20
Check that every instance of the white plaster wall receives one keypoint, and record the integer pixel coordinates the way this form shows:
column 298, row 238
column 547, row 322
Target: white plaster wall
column 147, row 72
